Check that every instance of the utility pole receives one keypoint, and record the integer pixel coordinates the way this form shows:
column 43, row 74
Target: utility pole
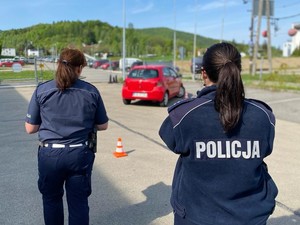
column 268, row 13
column 251, row 44
column 256, row 45
column 124, row 40
column 195, row 43
column 222, row 24
column 174, row 38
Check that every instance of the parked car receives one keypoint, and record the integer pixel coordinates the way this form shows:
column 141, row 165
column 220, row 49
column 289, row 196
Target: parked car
column 97, row 63
column 31, row 60
column 9, row 63
column 198, row 64
column 90, row 63
column 136, row 63
column 156, row 83
column 105, row 66
column 110, row 65
column 128, row 63
column 5, row 63
column 20, row 62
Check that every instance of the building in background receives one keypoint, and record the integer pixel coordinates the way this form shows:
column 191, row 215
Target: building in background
column 33, row 53
column 290, row 46
column 8, row 52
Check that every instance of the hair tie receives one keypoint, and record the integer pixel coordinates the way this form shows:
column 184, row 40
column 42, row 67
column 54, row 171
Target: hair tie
column 228, row 61
column 64, row 62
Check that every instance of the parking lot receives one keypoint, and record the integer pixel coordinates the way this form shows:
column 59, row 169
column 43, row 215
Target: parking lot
column 132, row 190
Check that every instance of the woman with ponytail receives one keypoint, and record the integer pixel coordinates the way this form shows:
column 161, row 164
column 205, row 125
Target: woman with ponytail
column 221, row 138
column 66, row 112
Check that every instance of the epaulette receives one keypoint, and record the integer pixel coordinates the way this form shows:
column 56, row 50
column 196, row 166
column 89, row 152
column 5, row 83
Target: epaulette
column 44, row 82
column 262, row 103
column 180, row 102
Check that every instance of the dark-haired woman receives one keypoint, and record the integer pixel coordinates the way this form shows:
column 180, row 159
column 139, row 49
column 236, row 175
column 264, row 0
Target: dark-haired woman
column 222, row 139
column 65, row 111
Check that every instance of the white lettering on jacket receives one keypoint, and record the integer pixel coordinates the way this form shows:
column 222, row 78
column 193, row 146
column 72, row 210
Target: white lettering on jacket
column 227, row 149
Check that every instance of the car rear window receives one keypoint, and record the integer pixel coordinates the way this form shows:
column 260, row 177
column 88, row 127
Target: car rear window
column 144, row 73
column 197, row 60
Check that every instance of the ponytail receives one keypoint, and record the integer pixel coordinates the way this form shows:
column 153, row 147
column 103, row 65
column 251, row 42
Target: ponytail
column 222, row 63
column 65, row 76
column 229, row 96
column 69, row 60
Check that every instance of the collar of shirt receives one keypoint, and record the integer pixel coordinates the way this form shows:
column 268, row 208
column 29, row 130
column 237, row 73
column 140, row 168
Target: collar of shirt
column 208, row 91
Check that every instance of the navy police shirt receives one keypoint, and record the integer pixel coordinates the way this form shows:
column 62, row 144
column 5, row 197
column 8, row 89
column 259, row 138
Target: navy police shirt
column 66, row 117
column 220, row 178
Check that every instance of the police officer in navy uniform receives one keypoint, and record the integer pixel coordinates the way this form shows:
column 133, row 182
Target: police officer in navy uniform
column 65, row 111
column 222, row 139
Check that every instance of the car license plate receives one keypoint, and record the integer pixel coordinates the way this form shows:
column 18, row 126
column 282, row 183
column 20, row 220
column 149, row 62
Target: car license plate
column 138, row 94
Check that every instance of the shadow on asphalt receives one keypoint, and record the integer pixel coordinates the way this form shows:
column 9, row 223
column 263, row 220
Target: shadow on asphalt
column 21, row 201
column 113, row 209
column 286, row 220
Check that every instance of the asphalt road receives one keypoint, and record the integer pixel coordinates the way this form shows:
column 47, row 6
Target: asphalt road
column 132, row 190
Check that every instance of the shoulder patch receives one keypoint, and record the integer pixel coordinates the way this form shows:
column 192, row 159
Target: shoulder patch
column 180, row 102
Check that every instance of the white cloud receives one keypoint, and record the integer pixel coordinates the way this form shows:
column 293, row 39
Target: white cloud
column 212, row 5
column 144, row 8
column 218, row 4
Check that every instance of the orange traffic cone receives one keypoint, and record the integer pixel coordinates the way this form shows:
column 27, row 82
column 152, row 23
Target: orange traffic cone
column 119, row 149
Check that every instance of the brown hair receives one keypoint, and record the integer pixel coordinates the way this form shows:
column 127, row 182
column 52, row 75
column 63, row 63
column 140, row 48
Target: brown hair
column 222, row 63
column 68, row 61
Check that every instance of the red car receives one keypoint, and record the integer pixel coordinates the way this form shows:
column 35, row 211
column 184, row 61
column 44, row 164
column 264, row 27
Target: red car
column 110, row 65
column 9, row 63
column 157, row 83
column 98, row 63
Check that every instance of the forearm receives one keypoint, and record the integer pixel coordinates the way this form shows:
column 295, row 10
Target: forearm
column 30, row 128
column 102, row 126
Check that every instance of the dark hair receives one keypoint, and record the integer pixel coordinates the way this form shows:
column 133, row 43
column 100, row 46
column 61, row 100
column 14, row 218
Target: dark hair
column 68, row 61
column 222, row 63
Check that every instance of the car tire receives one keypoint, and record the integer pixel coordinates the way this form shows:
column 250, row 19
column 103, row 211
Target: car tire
column 165, row 100
column 126, row 101
column 181, row 92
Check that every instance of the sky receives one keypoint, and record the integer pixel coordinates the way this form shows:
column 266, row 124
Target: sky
column 224, row 20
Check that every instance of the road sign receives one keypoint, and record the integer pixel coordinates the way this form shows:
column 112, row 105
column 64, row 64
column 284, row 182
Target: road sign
column 17, row 67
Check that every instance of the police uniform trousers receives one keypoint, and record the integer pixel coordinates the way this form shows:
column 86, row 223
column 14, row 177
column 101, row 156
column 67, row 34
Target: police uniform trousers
column 178, row 220
column 72, row 167
column 183, row 221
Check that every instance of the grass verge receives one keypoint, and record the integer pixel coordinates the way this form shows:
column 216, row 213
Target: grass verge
column 26, row 74
column 274, row 81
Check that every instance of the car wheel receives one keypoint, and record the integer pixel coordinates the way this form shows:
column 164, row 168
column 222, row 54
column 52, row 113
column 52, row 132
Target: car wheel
column 126, row 101
column 165, row 100
column 181, row 92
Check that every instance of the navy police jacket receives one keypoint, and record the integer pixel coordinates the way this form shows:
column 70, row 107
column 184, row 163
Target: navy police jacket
column 220, row 178
column 66, row 117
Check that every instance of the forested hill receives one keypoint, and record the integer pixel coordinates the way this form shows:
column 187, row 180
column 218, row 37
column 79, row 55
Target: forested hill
column 96, row 36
